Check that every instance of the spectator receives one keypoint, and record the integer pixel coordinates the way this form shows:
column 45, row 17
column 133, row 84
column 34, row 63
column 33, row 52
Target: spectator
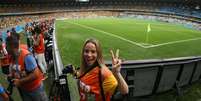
column 95, row 79
column 29, row 37
column 8, row 33
column 39, row 49
column 26, row 74
column 4, row 61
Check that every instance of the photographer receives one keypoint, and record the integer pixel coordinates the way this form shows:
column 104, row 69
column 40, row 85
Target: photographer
column 28, row 32
column 3, row 95
column 25, row 73
column 96, row 81
column 39, row 49
column 4, row 59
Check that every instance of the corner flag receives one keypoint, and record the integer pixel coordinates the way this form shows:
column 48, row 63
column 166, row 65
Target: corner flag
column 148, row 28
column 147, row 34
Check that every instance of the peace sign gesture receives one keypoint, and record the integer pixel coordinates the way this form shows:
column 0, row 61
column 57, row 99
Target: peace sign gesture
column 116, row 62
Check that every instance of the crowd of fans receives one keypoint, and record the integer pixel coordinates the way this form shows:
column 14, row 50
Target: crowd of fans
column 186, row 11
column 9, row 21
column 169, row 19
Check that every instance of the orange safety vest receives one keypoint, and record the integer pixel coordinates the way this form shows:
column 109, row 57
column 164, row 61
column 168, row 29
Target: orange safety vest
column 5, row 61
column 40, row 48
column 91, row 79
column 23, row 46
column 29, row 86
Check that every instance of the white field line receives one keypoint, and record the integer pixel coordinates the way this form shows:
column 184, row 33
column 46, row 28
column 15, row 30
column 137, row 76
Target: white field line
column 110, row 34
column 61, row 18
column 168, row 43
column 135, row 43
column 173, row 42
column 169, row 30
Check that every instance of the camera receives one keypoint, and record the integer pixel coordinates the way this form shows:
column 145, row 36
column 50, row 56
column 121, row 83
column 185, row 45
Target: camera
column 10, row 86
column 68, row 69
column 5, row 69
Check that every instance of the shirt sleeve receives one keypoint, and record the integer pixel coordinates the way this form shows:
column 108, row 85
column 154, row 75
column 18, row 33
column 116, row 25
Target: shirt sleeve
column 110, row 83
column 1, row 89
column 30, row 63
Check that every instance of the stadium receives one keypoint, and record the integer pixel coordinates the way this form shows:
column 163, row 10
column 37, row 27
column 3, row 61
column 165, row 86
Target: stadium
column 159, row 41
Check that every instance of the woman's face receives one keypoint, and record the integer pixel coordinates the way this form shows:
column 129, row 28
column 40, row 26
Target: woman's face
column 90, row 53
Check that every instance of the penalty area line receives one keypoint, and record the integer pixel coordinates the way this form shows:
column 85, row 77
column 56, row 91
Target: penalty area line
column 173, row 42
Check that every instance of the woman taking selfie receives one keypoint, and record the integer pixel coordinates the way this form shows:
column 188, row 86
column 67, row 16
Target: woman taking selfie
column 96, row 81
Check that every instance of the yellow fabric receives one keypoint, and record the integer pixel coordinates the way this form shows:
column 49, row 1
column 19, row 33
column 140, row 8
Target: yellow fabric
column 110, row 84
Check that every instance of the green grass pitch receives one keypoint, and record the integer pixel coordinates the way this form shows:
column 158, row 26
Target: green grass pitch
column 130, row 35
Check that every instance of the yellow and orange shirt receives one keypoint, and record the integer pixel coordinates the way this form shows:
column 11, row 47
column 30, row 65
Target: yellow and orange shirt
column 91, row 79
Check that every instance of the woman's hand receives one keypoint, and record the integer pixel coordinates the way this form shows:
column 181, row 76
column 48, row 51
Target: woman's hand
column 116, row 61
column 116, row 68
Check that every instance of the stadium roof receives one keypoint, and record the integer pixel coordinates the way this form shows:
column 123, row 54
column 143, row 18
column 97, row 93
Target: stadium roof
column 183, row 2
column 179, row 1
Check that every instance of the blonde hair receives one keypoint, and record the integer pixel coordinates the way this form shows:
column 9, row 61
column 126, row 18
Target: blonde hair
column 99, row 60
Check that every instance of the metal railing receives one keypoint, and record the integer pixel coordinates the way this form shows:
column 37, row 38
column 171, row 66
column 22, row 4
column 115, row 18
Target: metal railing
column 59, row 90
column 148, row 77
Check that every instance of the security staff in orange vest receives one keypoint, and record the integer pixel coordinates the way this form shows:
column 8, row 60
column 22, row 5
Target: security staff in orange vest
column 4, row 59
column 26, row 74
